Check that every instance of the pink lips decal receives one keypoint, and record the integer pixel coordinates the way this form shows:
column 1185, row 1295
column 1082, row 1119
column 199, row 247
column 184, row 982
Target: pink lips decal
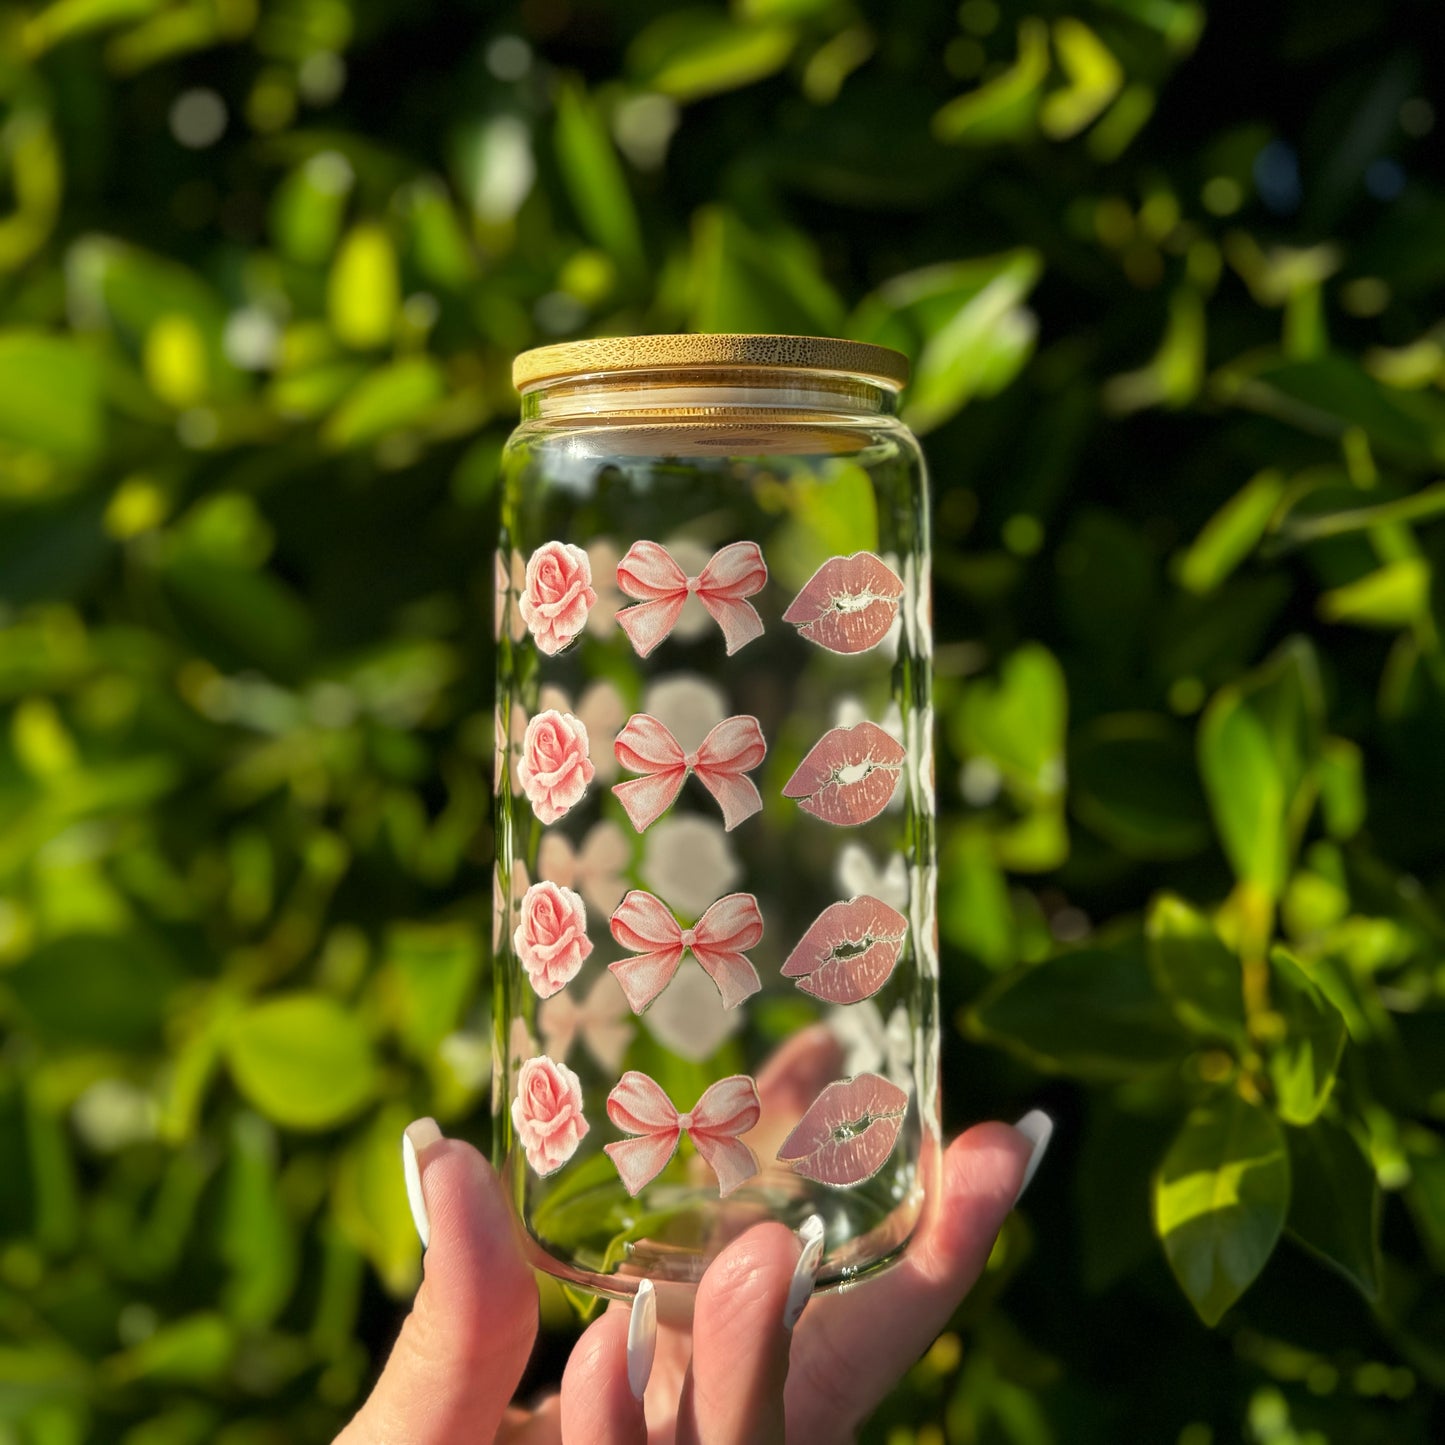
column 848, row 605
column 848, row 1132
column 849, row 776
column 850, row 950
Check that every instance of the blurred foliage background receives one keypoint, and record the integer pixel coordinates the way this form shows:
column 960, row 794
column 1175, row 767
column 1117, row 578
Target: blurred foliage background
column 1171, row 283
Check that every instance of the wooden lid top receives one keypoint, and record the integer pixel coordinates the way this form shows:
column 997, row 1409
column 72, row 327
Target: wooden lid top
column 685, row 350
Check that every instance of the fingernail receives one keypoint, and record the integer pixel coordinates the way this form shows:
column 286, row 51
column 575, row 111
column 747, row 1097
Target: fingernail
column 641, row 1339
column 414, row 1139
column 805, row 1272
column 1038, row 1129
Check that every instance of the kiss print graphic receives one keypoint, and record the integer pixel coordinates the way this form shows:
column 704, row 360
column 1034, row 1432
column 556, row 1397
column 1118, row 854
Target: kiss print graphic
column 849, row 776
column 639, row 1106
column 728, row 753
column 848, row 605
column 849, row 952
column 649, row 574
column 848, row 1132
column 644, row 925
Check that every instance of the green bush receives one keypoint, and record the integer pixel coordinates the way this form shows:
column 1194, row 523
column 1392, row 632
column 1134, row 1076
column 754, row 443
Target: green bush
column 1171, row 291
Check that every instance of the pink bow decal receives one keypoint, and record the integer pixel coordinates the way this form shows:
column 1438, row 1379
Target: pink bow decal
column 644, row 925
column 648, row 573
column 638, row 1106
column 731, row 750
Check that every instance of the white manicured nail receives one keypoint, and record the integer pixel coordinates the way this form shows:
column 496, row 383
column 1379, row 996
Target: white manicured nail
column 1038, row 1129
column 805, row 1272
column 414, row 1139
column 641, row 1339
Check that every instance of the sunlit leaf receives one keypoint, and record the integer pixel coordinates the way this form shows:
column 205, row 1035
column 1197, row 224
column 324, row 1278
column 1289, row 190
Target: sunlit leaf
column 1094, row 77
column 1017, row 723
column 363, row 291
column 1231, row 534
column 963, row 324
column 1220, row 1201
column 1304, row 1059
column 1199, row 974
column 744, row 280
column 595, row 179
column 193, row 1350
column 691, row 53
column 50, row 396
column 1004, row 107
column 1259, row 746
column 1394, row 595
column 302, row 1060
column 385, row 400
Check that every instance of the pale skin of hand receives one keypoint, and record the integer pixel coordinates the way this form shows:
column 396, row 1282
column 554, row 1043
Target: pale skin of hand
column 737, row 1376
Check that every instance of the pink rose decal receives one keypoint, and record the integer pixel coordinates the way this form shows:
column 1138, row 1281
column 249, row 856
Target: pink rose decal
column 551, row 940
column 554, row 768
column 556, row 595
column 547, row 1114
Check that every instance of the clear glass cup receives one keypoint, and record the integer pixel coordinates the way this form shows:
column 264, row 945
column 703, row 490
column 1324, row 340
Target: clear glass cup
column 715, row 936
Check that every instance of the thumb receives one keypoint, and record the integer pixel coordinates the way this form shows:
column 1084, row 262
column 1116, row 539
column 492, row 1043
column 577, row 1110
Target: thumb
column 463, row 1347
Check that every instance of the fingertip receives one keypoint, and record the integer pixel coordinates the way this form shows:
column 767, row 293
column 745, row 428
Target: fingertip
column 416, row 1138
column 598, row 1400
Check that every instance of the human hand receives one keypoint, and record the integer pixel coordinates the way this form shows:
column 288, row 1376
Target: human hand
column 736, row 1374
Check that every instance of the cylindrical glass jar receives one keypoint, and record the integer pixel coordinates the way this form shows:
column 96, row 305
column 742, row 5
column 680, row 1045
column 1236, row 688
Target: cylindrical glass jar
column 715, row 938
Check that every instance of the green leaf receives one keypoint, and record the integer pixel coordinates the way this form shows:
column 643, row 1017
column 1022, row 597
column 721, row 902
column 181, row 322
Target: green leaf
column 974, row 912
column 1132, row 780
column 363, row 293
column 1095, row 1014
column 309, row 208
column 1421, row 506
column 1220, row 1201
column 302, row 1060
column 962, row 323
column 1201, row 977
column 687, row 54
column 1342, row 788
column 1329, row 395
column 50, row 397
column 1018, row 723
column 595, row 179
column 1231, row 533
column 368, row 1199
column 194, row 1350
column 1335, row 1202
column 1259, row 745
column 257, row 1239
column 1173, row 376
column 430, row 975
column 1395, row 595
column 1304, row 1061
column 1002, row 108
column 109, row 990
column 68, row 19
column 1095, row 78
column 386, row 400
column 747, row 280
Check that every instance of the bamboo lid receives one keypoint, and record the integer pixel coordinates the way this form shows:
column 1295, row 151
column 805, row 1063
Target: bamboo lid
column 685, row 350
